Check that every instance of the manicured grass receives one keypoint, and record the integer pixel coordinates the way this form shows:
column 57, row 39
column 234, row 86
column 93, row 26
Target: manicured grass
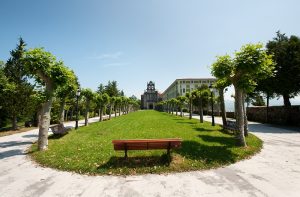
column 90, row 150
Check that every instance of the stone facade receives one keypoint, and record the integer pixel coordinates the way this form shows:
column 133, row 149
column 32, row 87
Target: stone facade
column 276, row 115
column 181, row 86
column 150, row 97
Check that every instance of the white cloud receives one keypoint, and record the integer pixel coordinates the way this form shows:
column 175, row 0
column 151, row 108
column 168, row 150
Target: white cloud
column 117, row 64
column 116, row 55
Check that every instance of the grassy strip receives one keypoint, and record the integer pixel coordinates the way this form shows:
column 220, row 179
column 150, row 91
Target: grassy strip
column 89, row 149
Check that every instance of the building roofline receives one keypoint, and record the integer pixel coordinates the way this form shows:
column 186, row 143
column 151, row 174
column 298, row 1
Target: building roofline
column 188, row 79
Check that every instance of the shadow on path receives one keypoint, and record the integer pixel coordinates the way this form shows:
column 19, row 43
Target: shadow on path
column 11, row 153
column 13, row 143
column 268, row 128
column 30, row 136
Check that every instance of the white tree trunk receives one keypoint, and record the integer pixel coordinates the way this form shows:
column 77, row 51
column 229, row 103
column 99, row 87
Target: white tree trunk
column 62, row 112
column 87, row 113
column 245, row 116
column 240, row 116
column 44, row 125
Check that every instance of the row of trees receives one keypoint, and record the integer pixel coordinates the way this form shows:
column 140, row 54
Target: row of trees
column 108, row 99
column 32, row 80
column 254, row 70
column 199, row 98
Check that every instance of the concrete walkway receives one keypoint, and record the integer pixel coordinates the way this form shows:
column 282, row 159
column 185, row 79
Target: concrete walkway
column 273, row 172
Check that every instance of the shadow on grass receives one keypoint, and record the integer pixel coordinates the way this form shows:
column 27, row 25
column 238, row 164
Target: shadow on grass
column 227, row 142
column 185, row 122
column 136, row 162
column 206, row 129
column 56, row 136
column 207, row 154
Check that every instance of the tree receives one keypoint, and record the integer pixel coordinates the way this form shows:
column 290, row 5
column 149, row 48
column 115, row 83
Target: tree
column 173, row 103
column 189, row 97
column 63, row 92
column 286, row 54
column 101, row 89
column 89, row 96
column 250, row 64
column 112, row 88
column 258, row 100
column 111, row 104
column 181, row 103
column 3, row 85
column 18, row 92
column 102, row 100
column 52, row 74
column 201, row 96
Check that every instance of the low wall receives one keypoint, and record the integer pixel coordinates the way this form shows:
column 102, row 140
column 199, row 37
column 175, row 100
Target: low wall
column 276, row 115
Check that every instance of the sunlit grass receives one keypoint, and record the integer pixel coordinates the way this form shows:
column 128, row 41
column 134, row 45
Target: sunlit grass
column 90, row 150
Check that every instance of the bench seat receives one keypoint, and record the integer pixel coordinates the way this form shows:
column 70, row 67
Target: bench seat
column 146, row 144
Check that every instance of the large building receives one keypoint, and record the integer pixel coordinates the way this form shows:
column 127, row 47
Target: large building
column 150, row 97
column 181, row 86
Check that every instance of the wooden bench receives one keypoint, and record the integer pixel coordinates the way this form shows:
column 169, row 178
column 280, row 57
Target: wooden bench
column 231, row 125
column 147, row 144
column 59, row 129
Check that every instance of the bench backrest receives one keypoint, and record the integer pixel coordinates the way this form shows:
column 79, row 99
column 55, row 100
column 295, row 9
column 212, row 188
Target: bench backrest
column 145, row 144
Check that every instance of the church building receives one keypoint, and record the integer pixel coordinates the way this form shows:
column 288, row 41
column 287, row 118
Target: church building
column 150, row 97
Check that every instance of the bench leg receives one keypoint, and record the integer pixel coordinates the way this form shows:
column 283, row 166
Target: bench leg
column 125, row 151
column 168, row 150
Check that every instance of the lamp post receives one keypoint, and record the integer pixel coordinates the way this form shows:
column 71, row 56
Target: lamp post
column 77, row 98
column 212, row 106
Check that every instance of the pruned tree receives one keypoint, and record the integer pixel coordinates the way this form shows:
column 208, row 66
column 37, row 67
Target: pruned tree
column 67, row 90
column 52, row 74
column 201, row 96
column 181, row 103
column 250, row 64
column 89, row 97
column 189, row 97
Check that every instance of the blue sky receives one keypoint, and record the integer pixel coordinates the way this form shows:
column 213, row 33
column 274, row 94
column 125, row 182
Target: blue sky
column 136, row 41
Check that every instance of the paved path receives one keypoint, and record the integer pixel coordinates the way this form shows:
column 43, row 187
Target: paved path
column 273, row 172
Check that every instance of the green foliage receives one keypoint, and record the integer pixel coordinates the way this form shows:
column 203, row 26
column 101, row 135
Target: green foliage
column 43, row 66
column 286, row 54
column 89, row 150
column 112, row 88
column 17, row 90
column 88, row 93
column 251, row 64
column 258, row 100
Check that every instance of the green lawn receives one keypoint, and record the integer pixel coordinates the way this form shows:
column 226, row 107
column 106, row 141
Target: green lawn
column 89, row 149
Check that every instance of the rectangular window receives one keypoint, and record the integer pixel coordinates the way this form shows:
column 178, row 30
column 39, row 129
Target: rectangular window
column 183, row 90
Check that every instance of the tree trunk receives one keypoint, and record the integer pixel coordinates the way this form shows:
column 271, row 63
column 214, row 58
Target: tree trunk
column 14, row 123
column 87, row 112
column 181, row 112
column 286, row 100
column 287, row 106
column 268, row 100
column 100, row 114
column 200, row 110
column 62, row 112
column 222, row 106
column 190, row 115
column 245, row 116
column 44, row 125
column 240, row 116
column 115, row 111
column 110, row 107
